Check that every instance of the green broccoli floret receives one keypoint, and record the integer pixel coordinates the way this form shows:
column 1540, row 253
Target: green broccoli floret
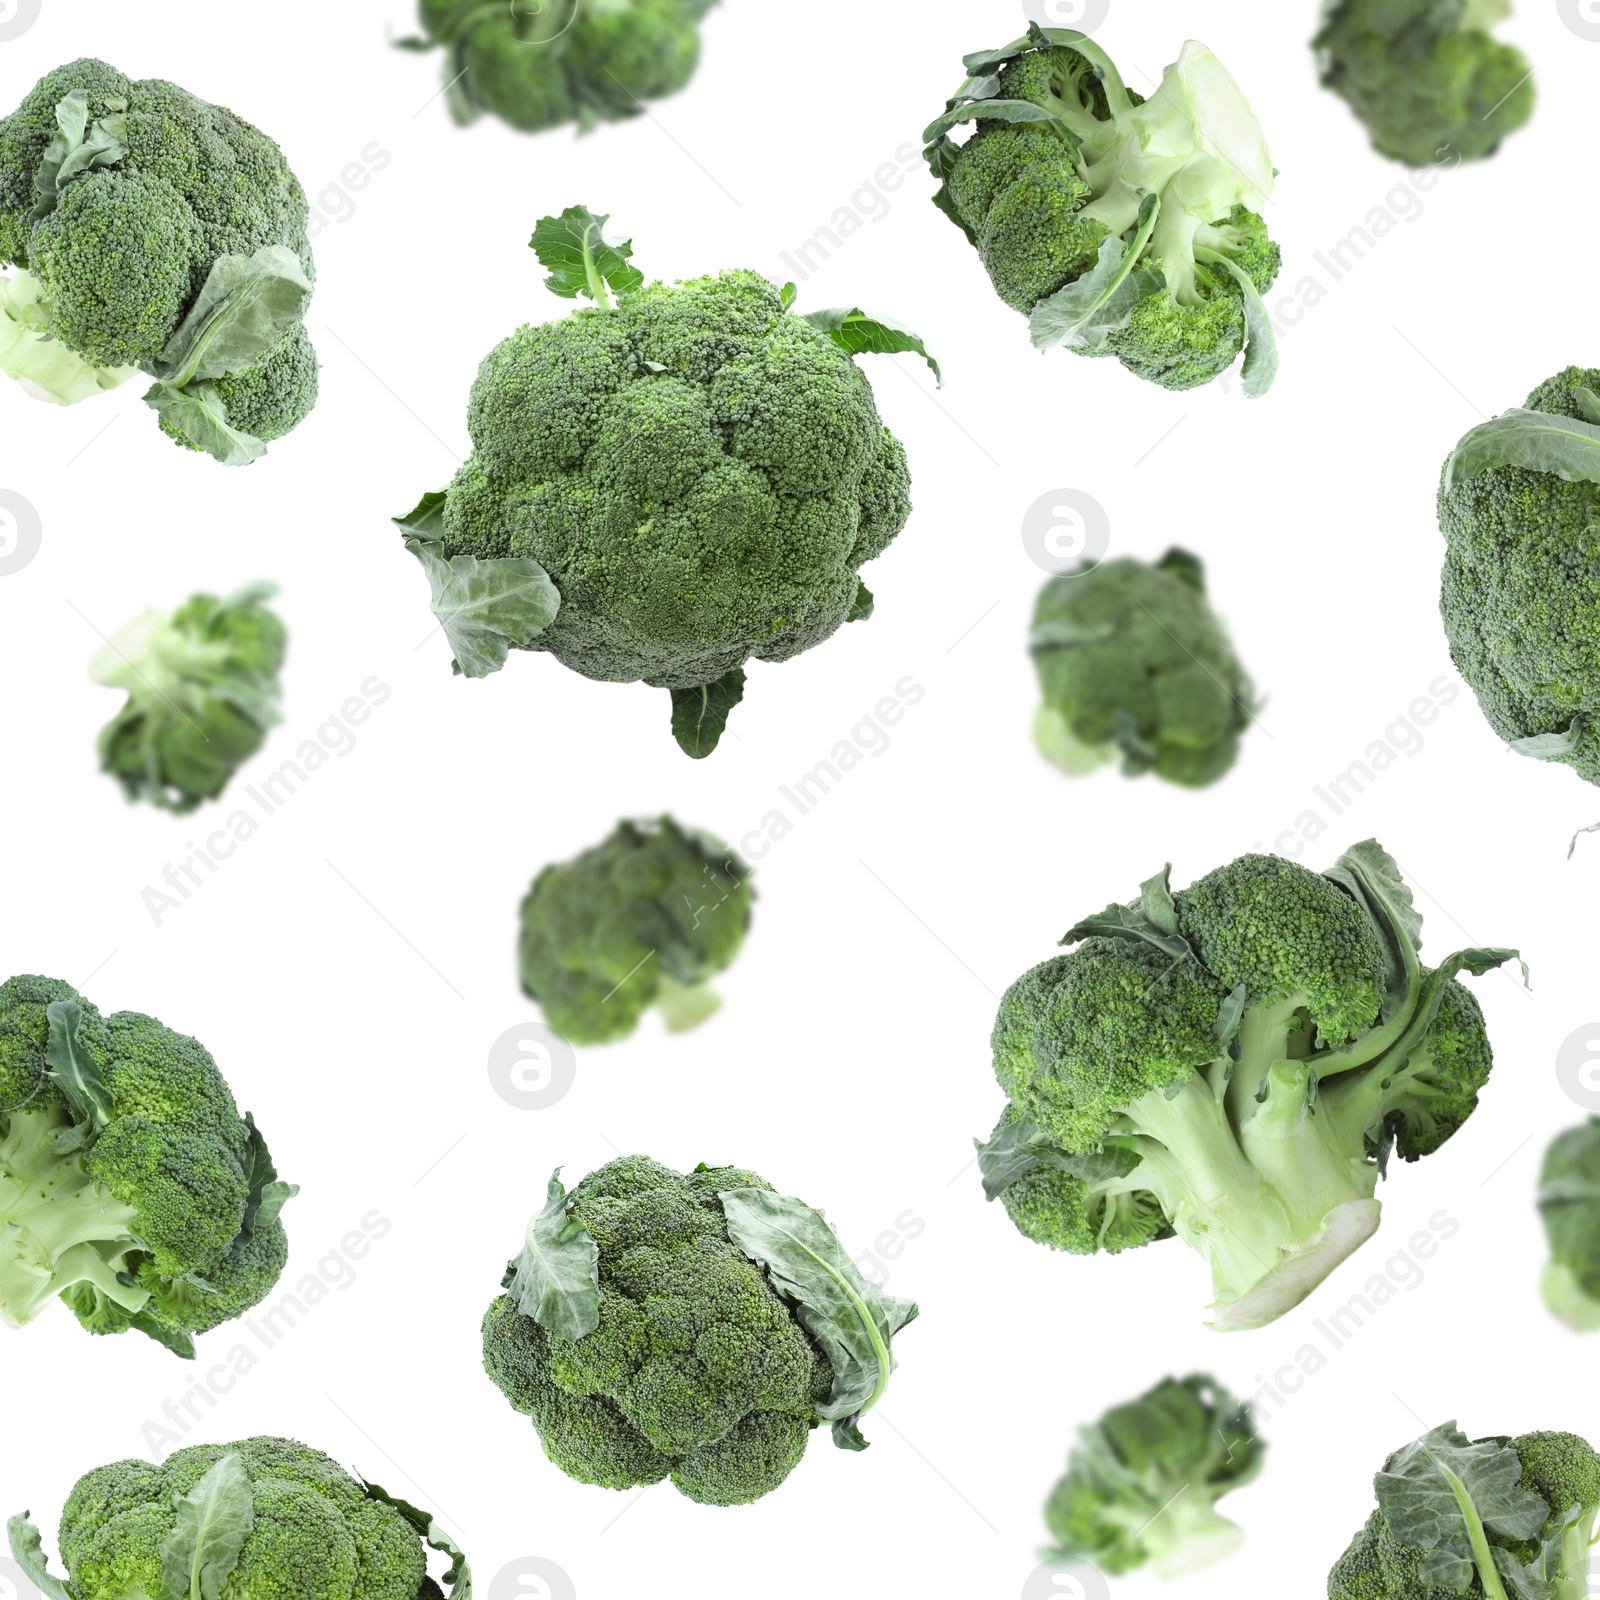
column 155, row 232
column 1134, row 663
column 1569, row 1202
column 1142, row 1483
column 1118, row 225
column 665, row 485
column 1425, row 76
column 693, row 1326
column 1234, row 1063
column 1498, row 1519
column 130, row 1187
column 202, row 686
column 261, row 1519
column 649, row 917
column 580, row 61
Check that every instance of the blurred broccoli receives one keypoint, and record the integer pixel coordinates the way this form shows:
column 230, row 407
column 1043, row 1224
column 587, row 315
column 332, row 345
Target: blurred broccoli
column 649, row 917
column 130, row 1187
column 1425, row 76
column 1569, row 1202
column 1142, row 1483
column 202, row 686
column 155, row 233
column 1133, row 663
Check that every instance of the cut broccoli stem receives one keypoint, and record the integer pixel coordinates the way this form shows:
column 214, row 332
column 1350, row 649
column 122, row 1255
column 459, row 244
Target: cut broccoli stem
column 1568, row 1300
column 1482, row 15
column 1187, row 1534
column 684, row 1006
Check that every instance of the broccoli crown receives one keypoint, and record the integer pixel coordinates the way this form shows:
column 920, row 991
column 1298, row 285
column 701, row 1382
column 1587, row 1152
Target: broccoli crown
column 1120, row 226
column 1569, row 1202
column 649, row 917
column 1234, row 1063
column 1142, row 1483
column 578, row 61
column 129, row 1184
column 1425, row 77
column 1520, row 593
column 202, row 686
column 126, row 201
column 1488, row 1518
column 1133, row 662
column 261, row 1518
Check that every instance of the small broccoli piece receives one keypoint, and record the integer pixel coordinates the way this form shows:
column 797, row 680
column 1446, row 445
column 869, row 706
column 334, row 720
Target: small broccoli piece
column 1142, row 1483
column 270, row 399
column 649, row 917
column 1493, row 1518
column 1133, row 662
column 663, row 1325
column 1118, row 225
column 1425, row 76
column 202, row 686
column 1569, row 1202
column 578, row 61
column 130, row 1186
column 1234, row 1063
column 262, row 1519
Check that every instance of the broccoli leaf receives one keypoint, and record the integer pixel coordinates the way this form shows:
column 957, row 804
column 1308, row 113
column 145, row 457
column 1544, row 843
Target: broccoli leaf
column 214, row 1520
column 1261, row 343
column 201, row 416
column 856, row 332
column 78, row 148
column 582, row 261
column 1084, row 313
column 556, row 1279
column 458, row 1579
column 27, row 1550
column 1018, row 1149
column 1554, row 746
column 181, row 1344
column 700, row 715
column 268, row 1195
column 1153, row 917
column 1535, row 440
column 426, row 519
column 73, row 1069
column 1371, row 876
column 247, row 305
column 853, row 1320
column 864, row 604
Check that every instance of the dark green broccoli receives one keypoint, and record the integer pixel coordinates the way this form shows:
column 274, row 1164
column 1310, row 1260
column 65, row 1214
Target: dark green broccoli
column 1234, row 1064
column 1495, row 1519
column 154, row 232
column 1134, row 663
column 666, row 485
column 1569, row 1202
column 645, row 919
column 1426, row 77
column 1118, row 226
column 580, row 61
column 130, row 1186
column 1142, row 1483
column 694, row 1326
column 202, row 686
column 262, row 1519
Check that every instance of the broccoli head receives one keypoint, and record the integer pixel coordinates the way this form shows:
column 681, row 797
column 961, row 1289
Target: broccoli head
column 665, row 485
column 693, row 1326
column 649, row 917
column 1426, row 77
column 130, row 1186
column 1235, row 1064
column 202, row 687
column 1569, row 1202
column 1142, row 1483
column 1119, row 226
column 257, row 1520
column 578, row 61
column 154, row 232
column 1493, row 1518
column 1134, row 664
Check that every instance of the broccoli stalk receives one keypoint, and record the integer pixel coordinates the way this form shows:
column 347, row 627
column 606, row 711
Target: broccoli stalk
column 1569, row 1203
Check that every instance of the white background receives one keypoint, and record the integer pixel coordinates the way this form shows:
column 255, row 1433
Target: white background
column 352, row 964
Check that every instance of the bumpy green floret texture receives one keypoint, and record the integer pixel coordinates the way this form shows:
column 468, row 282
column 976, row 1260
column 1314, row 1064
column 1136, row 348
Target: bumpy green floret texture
column 139, row 1222
column 698, row 1371
column 1426, row 77
column 317, row 1535
column 1133, row 662
column 1520, row 594
column 653, row 912
column 1569, row 1202
column 691, row 517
